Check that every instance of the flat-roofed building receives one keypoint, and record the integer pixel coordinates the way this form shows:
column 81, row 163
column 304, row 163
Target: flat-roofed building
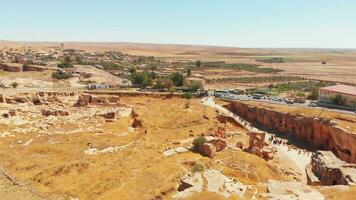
column 347, row 92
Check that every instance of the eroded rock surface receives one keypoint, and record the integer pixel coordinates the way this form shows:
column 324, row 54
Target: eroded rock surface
column 318, row 133
column 330, row 170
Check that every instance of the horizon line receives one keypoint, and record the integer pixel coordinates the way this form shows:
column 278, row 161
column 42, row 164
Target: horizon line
column 180, row 44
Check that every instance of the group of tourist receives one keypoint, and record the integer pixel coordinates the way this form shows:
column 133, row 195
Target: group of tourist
column 276, row 141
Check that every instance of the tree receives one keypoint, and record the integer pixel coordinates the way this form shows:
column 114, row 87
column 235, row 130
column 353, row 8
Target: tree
column 142, row 79
column 198, row 63
column 189, row 71
column 14, row 84
column 66, row 63
column 338, row 100
column 177, row 78
column 314, row 94
column 79, row 60
column 132, row 70
column 162, row 83
column 25, row 66
column 60, row 74
column 199, row 141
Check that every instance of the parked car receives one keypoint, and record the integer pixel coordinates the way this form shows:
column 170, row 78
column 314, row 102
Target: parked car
column 257, row 96
column 312, row 104
column 289, row 101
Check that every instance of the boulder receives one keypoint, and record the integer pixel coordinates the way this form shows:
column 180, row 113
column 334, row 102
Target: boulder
column 136, row 123
column 207, row 149
column 36, row 100
column 12, row 113
column 219, row 144
column 10, row 100
column 20, row 99
column 109, row 115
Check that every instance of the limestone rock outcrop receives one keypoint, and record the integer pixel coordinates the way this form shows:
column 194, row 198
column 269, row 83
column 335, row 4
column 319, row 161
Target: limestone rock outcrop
column 219, row 144
column 208, row 149
column 317, row 133
column 329, row 170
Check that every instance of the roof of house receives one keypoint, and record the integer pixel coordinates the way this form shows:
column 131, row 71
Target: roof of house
column 344, row 89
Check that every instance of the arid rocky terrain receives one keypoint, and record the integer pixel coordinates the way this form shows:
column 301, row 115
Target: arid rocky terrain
column 61, row 140
column 73, row 145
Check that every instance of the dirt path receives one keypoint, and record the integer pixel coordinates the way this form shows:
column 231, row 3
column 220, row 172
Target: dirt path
column 10, row 191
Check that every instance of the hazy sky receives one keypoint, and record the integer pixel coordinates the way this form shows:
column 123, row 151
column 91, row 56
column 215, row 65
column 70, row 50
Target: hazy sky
column 241, row 23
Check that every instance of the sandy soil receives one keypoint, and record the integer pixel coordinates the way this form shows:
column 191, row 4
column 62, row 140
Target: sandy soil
column 304, row 62
column 55, row 163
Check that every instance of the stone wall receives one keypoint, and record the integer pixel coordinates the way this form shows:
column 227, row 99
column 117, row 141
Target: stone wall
column 317, row 133
column 12, row 67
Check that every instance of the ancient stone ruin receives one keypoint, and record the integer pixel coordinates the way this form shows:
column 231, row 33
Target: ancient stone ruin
column 317, row 133
column 88, row 99
column 258, row 146
column 326, row 169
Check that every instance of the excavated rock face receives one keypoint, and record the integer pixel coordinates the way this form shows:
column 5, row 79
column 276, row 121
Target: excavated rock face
column 330, row 170
column 318, row 133
column 207, row 149
column 219, row 144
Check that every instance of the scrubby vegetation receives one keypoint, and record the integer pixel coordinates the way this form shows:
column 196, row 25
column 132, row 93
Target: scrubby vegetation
column 61, row 75
column 238, row 66
column 142, row 79
column 305, row 86
column 177, row 78
column 199, row 141
column 67, row 63
column 311, row 87
column 197, row 167
column 272, row 60
column 111, row 66
column 256, row 79
column 187, row 95
column 338, row 100
column 14, row 84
